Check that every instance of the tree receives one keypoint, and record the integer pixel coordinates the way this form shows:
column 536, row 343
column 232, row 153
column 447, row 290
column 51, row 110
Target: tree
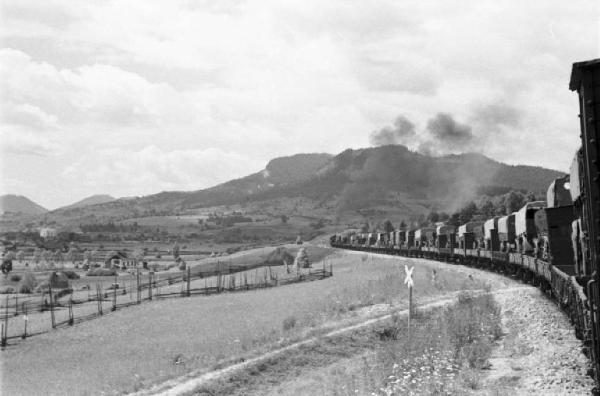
column 20, row 256
column 513, row 201
column 387, row 226
column 402, row 225
column 467, row 212
column 365, row 227
column 487, row 208
column 530, row 197
column 454, row 219
column 433, row 217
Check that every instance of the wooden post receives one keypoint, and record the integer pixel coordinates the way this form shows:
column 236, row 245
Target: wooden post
column 149, row 285
column 5, row 325
column 99, row 298
column 71, row 320
column 189, row 280
column 25, row 320
column 16, row 305
column 51, row 306
column 137, row 283
column 114, row 306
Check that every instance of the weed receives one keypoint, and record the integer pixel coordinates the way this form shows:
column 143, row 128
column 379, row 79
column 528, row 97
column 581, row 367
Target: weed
column 289, row 323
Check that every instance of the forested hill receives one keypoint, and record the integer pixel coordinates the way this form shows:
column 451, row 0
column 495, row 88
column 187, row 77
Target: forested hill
column 354, row 181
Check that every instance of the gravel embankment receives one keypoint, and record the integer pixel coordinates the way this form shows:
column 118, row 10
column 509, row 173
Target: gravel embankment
column 539, row 353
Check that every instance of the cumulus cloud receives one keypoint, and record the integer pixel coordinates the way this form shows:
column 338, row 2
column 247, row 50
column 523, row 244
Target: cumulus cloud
column 399, row 133
column 267, row 78
column 15, row 141
column 153, row 169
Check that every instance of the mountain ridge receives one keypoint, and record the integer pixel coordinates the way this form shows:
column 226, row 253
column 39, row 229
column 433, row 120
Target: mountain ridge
column 361, row 180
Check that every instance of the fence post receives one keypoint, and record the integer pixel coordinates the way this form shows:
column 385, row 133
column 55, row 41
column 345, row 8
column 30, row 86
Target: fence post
column 150, row 285
column 99, row 298
column 115, row 284
column 51, row 306
column 71, row 321
column 25, row 320
column 137, row 282
column 5, row 325
column 16, row 305
column 189, row 275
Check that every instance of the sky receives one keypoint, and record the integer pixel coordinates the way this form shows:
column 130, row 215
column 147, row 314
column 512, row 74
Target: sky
column 131, row 98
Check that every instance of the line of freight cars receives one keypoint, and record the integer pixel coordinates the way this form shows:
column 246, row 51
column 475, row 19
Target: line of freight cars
column 554, row 244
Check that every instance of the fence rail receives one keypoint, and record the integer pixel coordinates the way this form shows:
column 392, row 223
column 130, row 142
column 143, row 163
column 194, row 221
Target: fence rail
column 225, row 278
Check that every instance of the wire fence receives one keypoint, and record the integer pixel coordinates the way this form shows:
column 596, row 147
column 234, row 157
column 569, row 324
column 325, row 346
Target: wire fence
column 65, row 307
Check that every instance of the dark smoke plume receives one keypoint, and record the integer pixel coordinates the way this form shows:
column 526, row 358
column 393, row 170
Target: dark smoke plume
column 444, row 129
column 400, row 133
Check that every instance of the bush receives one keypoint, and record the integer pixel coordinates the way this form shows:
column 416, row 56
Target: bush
column 58, row 280
column 14, row 277
column 71, row 274
column 7, row 290
column 289, row 323
column 27, row 284
column 102, row 272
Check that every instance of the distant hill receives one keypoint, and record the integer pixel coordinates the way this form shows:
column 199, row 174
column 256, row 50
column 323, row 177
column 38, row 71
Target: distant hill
column 370, row 182
column 91, row 200
column 20, row 204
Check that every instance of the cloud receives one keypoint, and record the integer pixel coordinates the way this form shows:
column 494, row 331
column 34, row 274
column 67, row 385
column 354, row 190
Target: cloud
column 400, row 133
column 15, row 141
column 152, row 169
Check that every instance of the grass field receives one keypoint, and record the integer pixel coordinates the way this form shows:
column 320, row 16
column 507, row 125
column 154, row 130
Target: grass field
column 164, row 339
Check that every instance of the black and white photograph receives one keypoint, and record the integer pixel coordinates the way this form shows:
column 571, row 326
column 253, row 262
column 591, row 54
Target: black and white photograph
column 299, row 197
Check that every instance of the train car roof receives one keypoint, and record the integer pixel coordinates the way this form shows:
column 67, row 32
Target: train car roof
column 575, row 81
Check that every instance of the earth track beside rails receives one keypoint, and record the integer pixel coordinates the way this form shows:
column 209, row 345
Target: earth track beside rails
column 539, row 350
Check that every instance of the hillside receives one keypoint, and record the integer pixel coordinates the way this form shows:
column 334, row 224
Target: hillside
column 20, row 204
column 372, row 182
column 91, row 200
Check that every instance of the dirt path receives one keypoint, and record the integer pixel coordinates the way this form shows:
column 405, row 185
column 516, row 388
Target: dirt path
column 539, row 352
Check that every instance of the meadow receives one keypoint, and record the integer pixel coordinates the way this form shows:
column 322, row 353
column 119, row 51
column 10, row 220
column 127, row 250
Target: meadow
column 156, row 341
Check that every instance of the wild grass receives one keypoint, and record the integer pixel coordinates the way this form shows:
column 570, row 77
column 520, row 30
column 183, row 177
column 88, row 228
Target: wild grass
column 443, row 353
column 209, row 332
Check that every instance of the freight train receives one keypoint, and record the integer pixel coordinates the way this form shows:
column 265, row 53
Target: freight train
column 554, row 244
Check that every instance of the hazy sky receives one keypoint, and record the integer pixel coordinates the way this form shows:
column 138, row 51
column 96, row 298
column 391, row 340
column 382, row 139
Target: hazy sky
column 135, row 97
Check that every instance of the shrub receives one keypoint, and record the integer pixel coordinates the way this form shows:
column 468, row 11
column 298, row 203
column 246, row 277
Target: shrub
column 289, row 323
column 59, row 280
column 102, row 272
column 14, row 277
column 27, row 283
column 7, row 290
column 71, row 274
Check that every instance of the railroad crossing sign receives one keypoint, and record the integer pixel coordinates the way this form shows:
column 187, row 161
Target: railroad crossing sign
column 408, row 281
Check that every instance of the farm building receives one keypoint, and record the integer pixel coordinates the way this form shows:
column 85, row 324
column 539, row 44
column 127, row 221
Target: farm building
column 48, row 233
column 118, row 259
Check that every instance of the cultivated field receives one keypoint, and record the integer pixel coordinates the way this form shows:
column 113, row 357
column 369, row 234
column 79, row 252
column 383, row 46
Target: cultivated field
column 163, row 339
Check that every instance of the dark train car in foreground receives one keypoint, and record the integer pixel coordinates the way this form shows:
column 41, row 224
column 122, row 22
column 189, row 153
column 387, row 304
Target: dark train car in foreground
column 585, row 79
